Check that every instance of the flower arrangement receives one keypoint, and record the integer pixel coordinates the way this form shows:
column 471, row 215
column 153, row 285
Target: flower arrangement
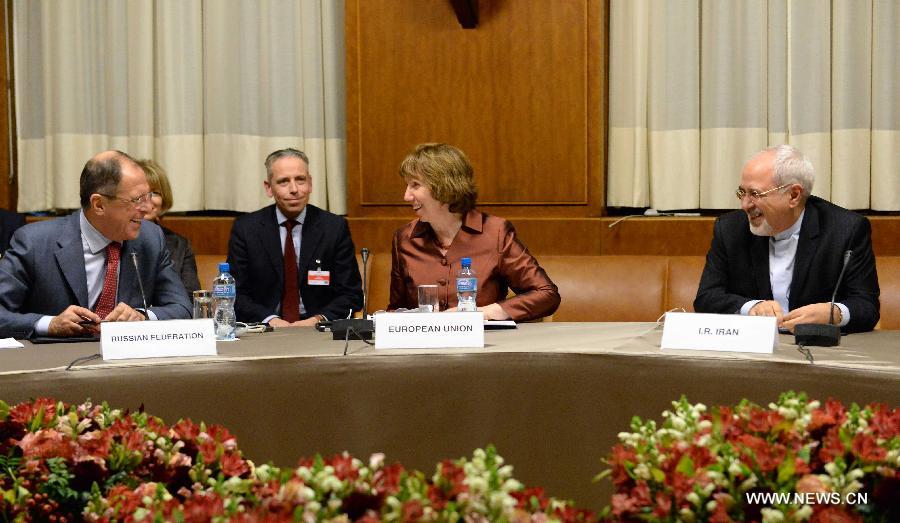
column 90, row 462
column 797, row 460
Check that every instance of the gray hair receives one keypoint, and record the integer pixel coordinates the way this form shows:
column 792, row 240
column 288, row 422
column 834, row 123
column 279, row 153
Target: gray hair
column 290, row 152
column 791, row 166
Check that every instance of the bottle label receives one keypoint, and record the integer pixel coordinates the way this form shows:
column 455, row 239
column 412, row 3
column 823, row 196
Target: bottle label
column 466, row 284
column 224, row 291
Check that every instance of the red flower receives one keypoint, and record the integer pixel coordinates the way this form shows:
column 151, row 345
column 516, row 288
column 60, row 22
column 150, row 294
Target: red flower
column 767, row 456
column 763, row 420
column 343, row 467
column 233, row 465
column 25, row 413
column 412, row 510
column 865, row 446
column 45, row 444
column 525, row 496
column 186, row 430
column 833, row 514
column 387, row 479
column 832, row 446
column 830, row 414
column 621, row 456
column 886, row 422
column 220, row 434
column 209, row 450
column 662, row 506
column 95, row 443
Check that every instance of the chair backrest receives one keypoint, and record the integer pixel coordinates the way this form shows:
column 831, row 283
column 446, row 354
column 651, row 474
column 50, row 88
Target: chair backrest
column 889, row 280
column 608, row 288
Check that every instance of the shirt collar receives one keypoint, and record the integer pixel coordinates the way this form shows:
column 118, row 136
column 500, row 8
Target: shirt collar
column 281, row 218
column 95, row 240
column 793, row 230
column 472, row 221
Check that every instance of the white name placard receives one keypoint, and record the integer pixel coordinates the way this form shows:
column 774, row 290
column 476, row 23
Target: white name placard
column 121, row 340
column 719, row 332
column 429, row 330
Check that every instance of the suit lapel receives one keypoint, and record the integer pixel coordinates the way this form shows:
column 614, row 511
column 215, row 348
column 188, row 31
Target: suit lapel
column 311, row 236
column 759, row 258
column 270, row 236
column 128, row 286
column 806, row 251
column 70, row 259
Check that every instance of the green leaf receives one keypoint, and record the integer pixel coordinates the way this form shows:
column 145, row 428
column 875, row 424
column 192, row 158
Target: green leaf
column 4, row 410
column 658, row 475
column 786, row 469
column 685, row 466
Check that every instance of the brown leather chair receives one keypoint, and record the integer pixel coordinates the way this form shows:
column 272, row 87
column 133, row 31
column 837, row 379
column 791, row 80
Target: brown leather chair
column 608, row 288
column 682, row 281
column 889, row 280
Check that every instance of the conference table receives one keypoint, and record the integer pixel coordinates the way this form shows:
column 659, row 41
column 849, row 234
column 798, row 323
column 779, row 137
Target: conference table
column 550, row 396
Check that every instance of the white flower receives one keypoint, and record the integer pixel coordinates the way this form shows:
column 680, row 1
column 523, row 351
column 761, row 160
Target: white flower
column 704, row 440
column 770, row 515
column 505, row 471
column 748, row 483
column 376, row 461
column 832, row 469
column 687, row 515
column 693, row 498
column 711, row 505
column 476, row 484
column 705, row 424
column 735, row 468
column 679, row 423
column 642, row 471
column 511, row 485
column 803, row 513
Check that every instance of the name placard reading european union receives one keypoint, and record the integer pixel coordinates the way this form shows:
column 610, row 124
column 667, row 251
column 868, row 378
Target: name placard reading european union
column 429, row 330
column 121, row 340
column 719, row 332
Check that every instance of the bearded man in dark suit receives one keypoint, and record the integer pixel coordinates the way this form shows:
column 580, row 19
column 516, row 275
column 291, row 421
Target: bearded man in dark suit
column 781, row 254
column 293, row 262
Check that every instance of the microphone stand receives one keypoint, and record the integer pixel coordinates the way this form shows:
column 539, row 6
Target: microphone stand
column 362, row 329
column 818, row 335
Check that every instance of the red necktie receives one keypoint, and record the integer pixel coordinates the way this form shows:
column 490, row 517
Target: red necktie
column 107, row 301
column 290, row 300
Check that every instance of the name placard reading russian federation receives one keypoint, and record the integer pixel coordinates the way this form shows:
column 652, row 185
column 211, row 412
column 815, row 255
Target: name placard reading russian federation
column 435, row 330
column 719, row 332
column 121, row 340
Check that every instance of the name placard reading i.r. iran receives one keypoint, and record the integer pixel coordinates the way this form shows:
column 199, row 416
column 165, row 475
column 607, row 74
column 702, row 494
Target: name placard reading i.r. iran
column 719, row 332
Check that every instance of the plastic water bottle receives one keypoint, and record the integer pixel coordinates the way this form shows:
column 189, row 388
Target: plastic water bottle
column 224, row 292
column 466, row 286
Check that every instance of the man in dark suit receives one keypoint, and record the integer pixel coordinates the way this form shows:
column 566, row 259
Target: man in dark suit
column 299, row 282
column 62, row 277
column 9, row 222
column 781, row 254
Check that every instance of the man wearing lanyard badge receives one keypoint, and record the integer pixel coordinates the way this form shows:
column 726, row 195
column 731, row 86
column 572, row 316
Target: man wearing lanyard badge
column 295, row 283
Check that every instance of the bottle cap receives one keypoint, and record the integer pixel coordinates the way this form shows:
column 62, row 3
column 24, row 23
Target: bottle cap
column 466, row 262
column 223, row 267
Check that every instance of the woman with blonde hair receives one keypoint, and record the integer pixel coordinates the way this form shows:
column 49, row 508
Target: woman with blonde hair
column 161, row 201
column 441, row 189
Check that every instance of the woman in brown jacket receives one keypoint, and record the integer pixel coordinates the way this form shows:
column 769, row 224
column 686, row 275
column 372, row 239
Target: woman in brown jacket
column 442, row 192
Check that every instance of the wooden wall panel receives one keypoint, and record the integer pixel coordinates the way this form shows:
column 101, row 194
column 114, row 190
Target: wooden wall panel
column 522, row 94
column 8, row 184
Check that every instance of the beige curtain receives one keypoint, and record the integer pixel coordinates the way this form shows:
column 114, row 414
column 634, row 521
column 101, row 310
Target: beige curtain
column 698, row 86
column 206, row 87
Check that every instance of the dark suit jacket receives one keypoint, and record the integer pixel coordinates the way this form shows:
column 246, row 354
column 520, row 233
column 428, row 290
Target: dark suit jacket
column 9, row 222
column 737, row 265
column 183, row 259
column 257, row 264
column 42, row 273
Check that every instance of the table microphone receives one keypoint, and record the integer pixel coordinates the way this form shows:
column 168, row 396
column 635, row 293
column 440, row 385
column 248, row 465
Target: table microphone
column 364, row 254
column 137, row 273
column 356, row 328
column 818, row 335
